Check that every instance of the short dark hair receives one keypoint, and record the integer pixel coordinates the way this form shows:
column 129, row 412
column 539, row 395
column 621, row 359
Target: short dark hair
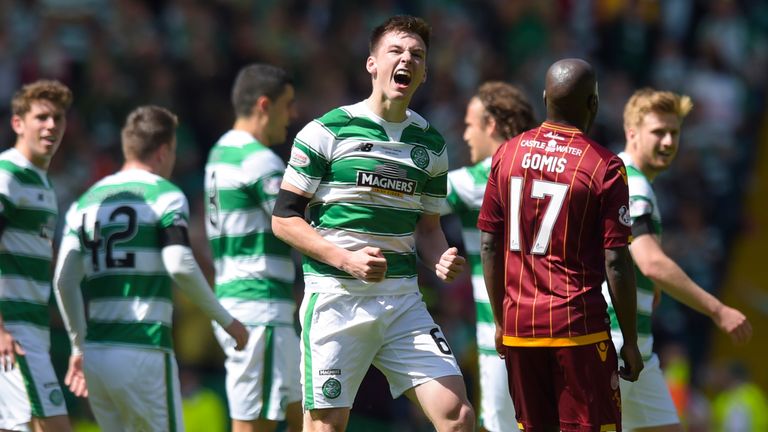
column 50, row 90
column 254, row 81
column 404, row 24
column 146, row 129
column 508, row 107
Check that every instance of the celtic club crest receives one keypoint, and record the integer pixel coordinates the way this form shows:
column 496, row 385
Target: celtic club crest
column 420, row 157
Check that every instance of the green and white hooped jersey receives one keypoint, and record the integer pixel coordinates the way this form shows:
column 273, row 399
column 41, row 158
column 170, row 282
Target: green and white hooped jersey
column 642, row 201
column 28, row 205
column 254, row 269
column 118, row 222
column 371, row 181
column 466, row 188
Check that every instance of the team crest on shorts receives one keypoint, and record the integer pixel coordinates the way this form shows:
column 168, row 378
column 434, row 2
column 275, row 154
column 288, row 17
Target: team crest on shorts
column 56, row 397
column 420, row 157
column 331, row 388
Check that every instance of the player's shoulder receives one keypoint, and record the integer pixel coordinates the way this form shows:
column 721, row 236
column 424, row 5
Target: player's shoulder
column 420, row 131
column 337, row 118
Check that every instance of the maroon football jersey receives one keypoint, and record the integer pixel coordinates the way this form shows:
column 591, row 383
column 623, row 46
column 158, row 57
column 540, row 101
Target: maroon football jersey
column 559, row 199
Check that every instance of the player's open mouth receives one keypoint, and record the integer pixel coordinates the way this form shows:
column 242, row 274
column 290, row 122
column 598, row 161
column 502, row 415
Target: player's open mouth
column 402, row 77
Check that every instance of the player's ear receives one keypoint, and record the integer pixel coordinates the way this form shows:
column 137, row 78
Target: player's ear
column 425, row 75
column 592, row 103
column 629, row 134
column 262, row 103
column 370, row 66
column 17, row 124
column 544, row 97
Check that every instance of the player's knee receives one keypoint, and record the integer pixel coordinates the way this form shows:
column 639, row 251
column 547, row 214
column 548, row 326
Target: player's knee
column 460, row 418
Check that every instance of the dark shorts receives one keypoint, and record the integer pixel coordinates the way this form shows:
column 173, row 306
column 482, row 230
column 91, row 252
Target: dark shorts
column 573, row 388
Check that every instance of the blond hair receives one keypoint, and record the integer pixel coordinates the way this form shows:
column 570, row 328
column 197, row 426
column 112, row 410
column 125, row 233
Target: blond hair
column 50, row 90
column 648, row 100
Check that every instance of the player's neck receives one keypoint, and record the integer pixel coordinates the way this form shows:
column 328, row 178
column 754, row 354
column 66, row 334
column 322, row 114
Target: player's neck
column 253, row 126
column 391, row 110
column 637, row 162
column 139, row 165
column 39, row 162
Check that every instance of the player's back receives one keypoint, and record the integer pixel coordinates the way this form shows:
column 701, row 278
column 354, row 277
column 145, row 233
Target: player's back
column 119, row 222
column 556, row 190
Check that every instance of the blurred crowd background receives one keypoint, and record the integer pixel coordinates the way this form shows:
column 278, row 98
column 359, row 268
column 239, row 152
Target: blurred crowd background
column 184, row 54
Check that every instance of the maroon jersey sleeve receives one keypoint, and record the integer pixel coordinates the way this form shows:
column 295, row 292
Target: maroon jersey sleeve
column 615, row 206
column 491, row 218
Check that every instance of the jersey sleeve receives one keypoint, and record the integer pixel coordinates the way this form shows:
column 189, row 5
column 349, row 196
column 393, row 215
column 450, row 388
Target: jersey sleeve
column 492, row 211
column 263, row 190
column 640, row 197
column 174, row 209
column 7, row 183
column 453, row 202
column 616, row 221
column 72, row 223
column 310, row 155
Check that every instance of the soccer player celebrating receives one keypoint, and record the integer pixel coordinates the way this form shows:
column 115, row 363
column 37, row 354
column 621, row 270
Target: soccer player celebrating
column 652, row 121
column 374, row 177
column 125, row 241
column 496, row 113
column 30, row 395
column 254, row 270
column 555, row 221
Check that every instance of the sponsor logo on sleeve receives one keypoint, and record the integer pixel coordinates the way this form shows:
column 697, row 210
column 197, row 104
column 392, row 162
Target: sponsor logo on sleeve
column 298, row 158
column 624, row 217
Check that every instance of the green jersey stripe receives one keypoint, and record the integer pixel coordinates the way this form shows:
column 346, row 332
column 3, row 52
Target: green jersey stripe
column 255, row 289
column 428, row 138
column 131, row 192
column 33, row 268
column 234, row 155
column 257, row 243
column 30, row 220
column 145, row 286
column 18, row 311
column 484, row 312
column 398, row 266
column 365, row 219
column 22, row 175
column 133, row 333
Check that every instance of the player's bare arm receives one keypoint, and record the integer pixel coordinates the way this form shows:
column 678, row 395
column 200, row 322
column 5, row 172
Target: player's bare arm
column 621, row 281
column 654, row 263
column 288, row 224
column 492, row 256
column 433, row 248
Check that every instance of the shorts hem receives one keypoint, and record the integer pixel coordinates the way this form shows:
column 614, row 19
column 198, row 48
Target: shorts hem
column 416, row 383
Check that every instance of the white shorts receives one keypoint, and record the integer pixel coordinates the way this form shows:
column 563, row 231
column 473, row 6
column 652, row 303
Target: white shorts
column 647, row 401
column 497, row 413
column 263, row 378
column 31, row 389
column 133, row 389
column 342, row 335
